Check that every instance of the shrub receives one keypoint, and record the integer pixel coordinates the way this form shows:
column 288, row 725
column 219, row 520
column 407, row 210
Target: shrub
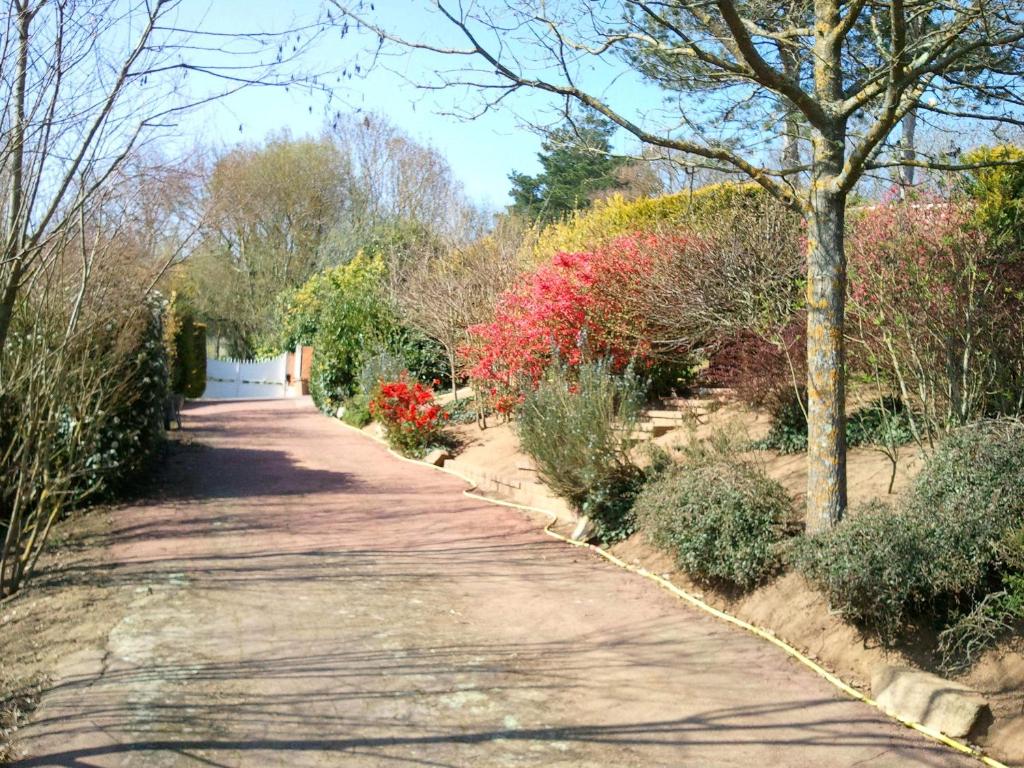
column 885, row 423
column 357, row 411
column 721, row 519
column 384, row 366
column 411, row 419
column 999, row 194
column 935, row 309
column 577, row 425
column 978, row 470
column 615, row 216
column 983, row 626
column 788, row 432
column 346, row 315
column 188, row 375
column 939, row 552
column 555, row 312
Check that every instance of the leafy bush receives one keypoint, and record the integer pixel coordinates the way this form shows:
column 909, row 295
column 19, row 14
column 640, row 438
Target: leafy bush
column 721, row 519
column 939, row 552
column 884, row 423
column 788, row 432
column 411, row 419
column 556, row 312
column 346, row 315
column 187, row 352
column 999, row 194
column 384, row 366
column 935, row 309
column 577, row 425
column 81, row 413
column 357, row 411
column 993, row 617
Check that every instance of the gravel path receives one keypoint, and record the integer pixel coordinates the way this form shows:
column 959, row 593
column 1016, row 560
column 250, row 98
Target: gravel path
column 301, row 598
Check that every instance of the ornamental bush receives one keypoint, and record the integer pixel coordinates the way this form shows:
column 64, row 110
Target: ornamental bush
column 721, row 519
column 411, row 419
column 560, row 311
column 577, row 426
column 935, row 310
column 939, row 553
column 346, row 315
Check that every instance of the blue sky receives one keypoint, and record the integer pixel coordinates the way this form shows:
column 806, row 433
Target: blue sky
column 482, row 152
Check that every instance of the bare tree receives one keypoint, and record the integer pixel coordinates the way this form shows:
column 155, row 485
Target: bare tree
column 720, row 63
column 84, row 85
column 446, row 293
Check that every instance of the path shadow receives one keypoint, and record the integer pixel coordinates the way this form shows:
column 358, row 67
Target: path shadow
column 196, row 471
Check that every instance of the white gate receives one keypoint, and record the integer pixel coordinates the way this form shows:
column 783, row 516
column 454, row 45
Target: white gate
column 229, row 379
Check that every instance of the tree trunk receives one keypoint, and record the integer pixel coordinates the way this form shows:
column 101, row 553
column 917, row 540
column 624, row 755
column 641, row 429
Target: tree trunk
column 826, row 365
column 790, row 141
column 14, row 244
column 908, row 148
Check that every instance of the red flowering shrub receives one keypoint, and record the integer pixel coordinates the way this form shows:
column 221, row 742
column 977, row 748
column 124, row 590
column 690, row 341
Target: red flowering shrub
column 412, row 420
column 935, row 312
column 560, row 310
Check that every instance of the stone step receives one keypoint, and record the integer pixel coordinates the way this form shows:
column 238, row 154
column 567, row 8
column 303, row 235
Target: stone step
column 690, row 404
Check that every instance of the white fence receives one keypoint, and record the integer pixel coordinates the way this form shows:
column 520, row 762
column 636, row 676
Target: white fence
column 242, row 379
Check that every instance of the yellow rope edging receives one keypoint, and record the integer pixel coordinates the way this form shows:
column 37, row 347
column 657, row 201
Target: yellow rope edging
column 696, row 602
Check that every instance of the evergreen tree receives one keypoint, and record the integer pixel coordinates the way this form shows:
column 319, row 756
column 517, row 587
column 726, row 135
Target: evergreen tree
column 577, row 164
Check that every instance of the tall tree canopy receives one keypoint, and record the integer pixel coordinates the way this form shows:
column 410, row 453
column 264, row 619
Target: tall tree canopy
column 577, row 162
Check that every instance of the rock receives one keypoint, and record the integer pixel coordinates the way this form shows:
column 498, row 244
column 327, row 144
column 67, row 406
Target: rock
column 929, row 700
column 341, row 411
column 437, row 457
column 584, row 529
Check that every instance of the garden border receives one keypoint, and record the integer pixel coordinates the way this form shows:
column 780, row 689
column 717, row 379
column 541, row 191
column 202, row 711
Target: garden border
column 696, row 602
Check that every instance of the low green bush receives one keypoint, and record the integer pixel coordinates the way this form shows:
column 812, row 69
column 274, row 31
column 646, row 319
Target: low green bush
column 357, row 411
column 788, row 433
column 721, row 519
column 577, row 425
column 882, row 423
column 939, row 553
column 990, row 620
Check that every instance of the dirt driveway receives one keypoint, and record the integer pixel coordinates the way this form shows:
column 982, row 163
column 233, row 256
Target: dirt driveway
column 298, row 597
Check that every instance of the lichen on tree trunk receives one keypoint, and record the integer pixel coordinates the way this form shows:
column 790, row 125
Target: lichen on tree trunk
column 826, row 364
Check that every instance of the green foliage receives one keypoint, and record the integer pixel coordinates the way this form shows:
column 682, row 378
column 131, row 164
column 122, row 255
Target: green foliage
column 188, row 354
column 577, row 426
column 384, row 366
column 721, row 519
column 788, row 432
column 991, row 619
column 357, row 410
column 936, row 554
column 577, row 163
column 885, row 423
column 345, row 314
column 999, row 194
column 133, row 427
column 463, row 410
